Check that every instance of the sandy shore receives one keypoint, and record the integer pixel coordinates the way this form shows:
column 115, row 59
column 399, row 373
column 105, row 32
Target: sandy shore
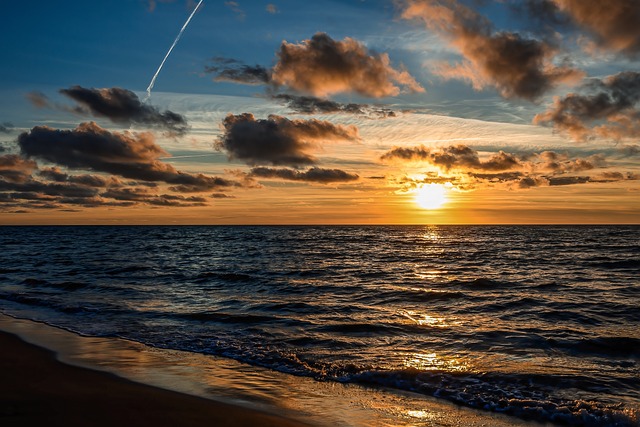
column 36, row 389
column 88, row 388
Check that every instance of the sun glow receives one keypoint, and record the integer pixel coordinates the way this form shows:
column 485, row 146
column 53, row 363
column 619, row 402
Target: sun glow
column 431, row 196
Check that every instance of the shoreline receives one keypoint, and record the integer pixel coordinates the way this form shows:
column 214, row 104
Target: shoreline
column 229, row 392
column 37, row 389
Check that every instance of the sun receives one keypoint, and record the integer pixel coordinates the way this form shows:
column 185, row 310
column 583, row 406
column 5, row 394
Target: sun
column 431, row 196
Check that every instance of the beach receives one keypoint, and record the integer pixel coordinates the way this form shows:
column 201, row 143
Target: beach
column 39, row 390
column 79, row 381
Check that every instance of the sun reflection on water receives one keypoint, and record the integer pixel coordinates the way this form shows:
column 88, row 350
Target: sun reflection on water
column 433, row 362
column 428, row 320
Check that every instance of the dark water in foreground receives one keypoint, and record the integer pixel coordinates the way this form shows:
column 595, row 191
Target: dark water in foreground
column 538, row 322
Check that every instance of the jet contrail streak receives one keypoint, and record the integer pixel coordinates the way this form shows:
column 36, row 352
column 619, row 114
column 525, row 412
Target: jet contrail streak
column 155, row 76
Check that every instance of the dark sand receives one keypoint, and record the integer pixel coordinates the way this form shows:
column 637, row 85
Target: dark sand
column 37, row 390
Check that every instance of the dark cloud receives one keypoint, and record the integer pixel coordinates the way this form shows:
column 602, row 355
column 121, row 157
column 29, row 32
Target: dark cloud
column 313, row 105
column 14, row 168
column 230, row 70
column 561, row 163
column 124, row 107
column 324, row 176
column 630, row 150
column 454, row 157
column 130, row 155
column 60, row 190
column 143, row 196
column 6, row 127
column 515, row 65
column 221, row 196
column 606, row 107
column 545, row 13
column 322, row 66
column 55, row 174
column 278, row 140
column 48, row 189
column 532, row 181
column 613, row 23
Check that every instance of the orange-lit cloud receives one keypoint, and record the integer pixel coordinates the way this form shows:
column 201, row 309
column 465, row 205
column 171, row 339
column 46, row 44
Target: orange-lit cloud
column 454, row 157
column 613, row 23
column 322, row 66
column 467, row 171
column 278, row 140
column 515, row 65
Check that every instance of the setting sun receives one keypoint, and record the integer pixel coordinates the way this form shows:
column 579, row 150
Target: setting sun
column 431, row 196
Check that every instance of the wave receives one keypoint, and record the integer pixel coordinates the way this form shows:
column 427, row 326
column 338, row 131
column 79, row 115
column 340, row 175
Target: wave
column 524, row 396
column 219, row 317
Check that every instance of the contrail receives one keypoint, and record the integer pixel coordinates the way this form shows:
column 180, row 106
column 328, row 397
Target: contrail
column 155, row 76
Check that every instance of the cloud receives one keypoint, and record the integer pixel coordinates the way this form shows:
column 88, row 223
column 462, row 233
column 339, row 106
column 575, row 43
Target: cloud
column 313, row 105
column 515, row 65
column 55, row 189
column 454, row 157
column 130, row 155
column 278, row 140
column 6, row 127
column 48, row 189
column 34, row 194
column 324, row 176
column 527, row 170
column 55, row 174
column 607, row 108
column 613, row 23
column 543, row 12
column 561, row 163
column 235, row 7
column 231, row 70
column 38, row 99
column 142, row 195
column 322, row 66
column 14, row 168
column 124, row 107
column 272, row 8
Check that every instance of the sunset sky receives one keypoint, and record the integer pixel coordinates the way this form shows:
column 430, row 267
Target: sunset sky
column 323, row 112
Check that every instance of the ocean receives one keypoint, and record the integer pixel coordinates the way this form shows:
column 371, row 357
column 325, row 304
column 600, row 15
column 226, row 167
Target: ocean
column 537, row 322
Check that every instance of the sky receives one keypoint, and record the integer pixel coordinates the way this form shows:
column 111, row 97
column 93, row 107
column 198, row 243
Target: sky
column 324, row 112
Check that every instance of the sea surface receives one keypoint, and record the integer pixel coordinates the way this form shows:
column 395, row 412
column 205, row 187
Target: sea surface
column 538, row 322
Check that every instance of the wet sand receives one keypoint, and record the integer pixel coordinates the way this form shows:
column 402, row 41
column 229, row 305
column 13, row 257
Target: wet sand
column 36, row 389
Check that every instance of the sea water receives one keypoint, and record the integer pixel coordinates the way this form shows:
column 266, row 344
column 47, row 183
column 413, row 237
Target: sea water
column 538, row 322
